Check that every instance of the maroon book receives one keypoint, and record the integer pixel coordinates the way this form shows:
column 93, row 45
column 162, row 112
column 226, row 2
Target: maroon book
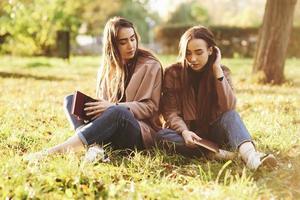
column 208, row 145
column 78, row 105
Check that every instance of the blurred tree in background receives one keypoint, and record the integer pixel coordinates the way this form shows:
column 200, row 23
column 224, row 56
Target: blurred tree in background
column 95, row 13
column 32, row 24
column 29, row 27
column 241, row 13
column 137, row 12
column 273, row 41
column 297, row 15
column 189, row 13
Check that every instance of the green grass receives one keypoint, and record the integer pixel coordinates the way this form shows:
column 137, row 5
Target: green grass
column 32, row 118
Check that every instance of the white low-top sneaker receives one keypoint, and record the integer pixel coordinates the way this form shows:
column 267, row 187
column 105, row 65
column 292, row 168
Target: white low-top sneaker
column 96, row 153
column 268, row 160
column 258, row 159
column 35, row 157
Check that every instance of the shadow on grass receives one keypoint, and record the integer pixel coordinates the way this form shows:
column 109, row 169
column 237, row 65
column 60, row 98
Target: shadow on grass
column 20, row 75
column 166, row 158
column 38, row 64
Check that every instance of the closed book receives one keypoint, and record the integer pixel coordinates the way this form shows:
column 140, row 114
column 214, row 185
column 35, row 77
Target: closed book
column 208, row 145
column 78, row 106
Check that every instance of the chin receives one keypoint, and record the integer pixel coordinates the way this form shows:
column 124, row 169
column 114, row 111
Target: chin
column 197, row 68
column 130, row 57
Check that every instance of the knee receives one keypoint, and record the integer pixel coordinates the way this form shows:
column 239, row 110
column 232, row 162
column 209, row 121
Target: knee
column 118, row 110
column 68, row 101
column 230, row 116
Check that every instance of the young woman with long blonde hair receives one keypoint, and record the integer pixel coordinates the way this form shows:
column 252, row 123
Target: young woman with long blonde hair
column 125, row 114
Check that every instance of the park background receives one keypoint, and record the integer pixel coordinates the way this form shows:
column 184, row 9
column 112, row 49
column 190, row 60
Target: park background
column 49, row 48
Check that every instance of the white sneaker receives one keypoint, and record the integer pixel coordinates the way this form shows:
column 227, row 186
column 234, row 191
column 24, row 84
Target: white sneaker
column 96, row 153
column 35, row 157
column 257, row 160
column 268, row 160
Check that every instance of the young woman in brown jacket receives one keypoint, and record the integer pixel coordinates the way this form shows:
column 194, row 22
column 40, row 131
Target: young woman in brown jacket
column 128, row 90
column 199, row 102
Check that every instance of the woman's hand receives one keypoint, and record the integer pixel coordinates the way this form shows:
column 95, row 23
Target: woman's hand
column 96, row 108
column 189, row 138
column 217, row 64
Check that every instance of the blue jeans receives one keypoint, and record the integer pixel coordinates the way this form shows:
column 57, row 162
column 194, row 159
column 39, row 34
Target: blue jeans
column 116, row 126
column 228, row 131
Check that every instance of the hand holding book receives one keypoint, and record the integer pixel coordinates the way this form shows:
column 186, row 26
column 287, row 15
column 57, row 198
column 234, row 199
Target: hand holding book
column 95, row 109
column 208, row 145
column 193, row 140
column 189, row 138
column 88, row 108
column 79, row 101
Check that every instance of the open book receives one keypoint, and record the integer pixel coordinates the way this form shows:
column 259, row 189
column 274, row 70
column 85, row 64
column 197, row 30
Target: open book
column 208, row 145
column 78, row 105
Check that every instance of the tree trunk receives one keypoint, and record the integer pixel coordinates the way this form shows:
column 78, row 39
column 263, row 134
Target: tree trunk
column 273, row 41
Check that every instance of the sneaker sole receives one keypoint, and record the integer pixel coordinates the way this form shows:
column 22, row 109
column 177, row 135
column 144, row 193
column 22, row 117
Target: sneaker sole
column 269, row 161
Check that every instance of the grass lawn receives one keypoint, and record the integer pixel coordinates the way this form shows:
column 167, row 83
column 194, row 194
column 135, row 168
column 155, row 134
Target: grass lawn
column 32, row 118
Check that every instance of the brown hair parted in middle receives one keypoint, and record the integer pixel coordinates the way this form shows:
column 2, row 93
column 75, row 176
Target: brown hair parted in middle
column 207, row 95
column 111, row 74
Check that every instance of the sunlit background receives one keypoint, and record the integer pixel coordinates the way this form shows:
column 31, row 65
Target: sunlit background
column 50, row 48
column 40, row 27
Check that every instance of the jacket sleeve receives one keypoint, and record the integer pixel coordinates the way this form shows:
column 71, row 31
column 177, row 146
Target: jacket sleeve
column 146, row 107
column 170, row 107
column 226, row 96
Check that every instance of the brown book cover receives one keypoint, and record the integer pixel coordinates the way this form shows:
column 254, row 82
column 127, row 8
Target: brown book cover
column 78, row 105
column 208, row 145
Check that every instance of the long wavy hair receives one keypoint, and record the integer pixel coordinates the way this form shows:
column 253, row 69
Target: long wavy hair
column 207, row 97
column 111, row 75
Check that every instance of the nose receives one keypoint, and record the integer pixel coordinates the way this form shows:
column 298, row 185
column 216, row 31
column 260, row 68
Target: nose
column 193, row 58
column 130, row 45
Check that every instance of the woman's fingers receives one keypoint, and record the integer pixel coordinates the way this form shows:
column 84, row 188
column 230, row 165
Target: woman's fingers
column 218, row 52
column 94, row 112
column 196, row 137
column 193, row 140
column 91, row 113
column 189, row 138
column 92, row 106
column 92, row 103
column 89, row 108
column 190, row 142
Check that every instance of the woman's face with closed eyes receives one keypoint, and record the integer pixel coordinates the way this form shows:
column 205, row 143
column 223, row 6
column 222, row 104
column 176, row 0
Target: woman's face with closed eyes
column 127, row 43
column 197, row 53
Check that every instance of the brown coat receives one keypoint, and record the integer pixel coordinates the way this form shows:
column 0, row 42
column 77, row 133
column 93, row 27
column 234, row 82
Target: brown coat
column 178, row 112
column 143, row 96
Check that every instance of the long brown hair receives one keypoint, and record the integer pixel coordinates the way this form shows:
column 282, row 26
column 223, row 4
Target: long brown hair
column 111, row 75
column 207, row 98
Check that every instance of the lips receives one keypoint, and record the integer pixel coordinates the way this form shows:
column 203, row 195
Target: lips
column 131, row 52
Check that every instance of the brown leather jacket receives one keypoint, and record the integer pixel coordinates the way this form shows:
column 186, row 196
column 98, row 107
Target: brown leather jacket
column 179, row 112
column 143, row 97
